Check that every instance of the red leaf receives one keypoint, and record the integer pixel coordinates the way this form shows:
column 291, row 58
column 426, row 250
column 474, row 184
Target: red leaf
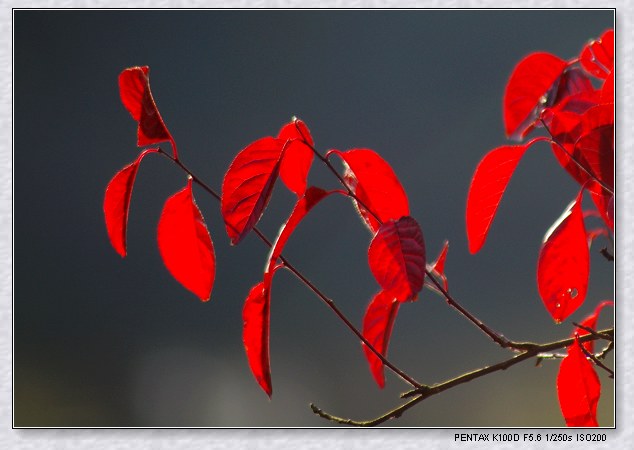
column 374, row 182
column 298, row 156
column 573, row 82
column 255, row 334
column 578, row 389
column 591, row 322
column 116, row 203
column 597, row 58
column 487, row 187
column 185, row 245
column 563, row 266
column 134, row 89
column 607, row 90
column 378, row 322
column 397, row 258
column 596, row 144
column 248, row 184
column 312, row 196
column 531, row 79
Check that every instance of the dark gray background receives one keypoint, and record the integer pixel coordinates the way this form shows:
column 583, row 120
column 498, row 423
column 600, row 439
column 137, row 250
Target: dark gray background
column 100, row 341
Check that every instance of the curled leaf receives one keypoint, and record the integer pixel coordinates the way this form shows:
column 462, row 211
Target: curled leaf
column 136, row 96
column 185, row 245
column 247, row 186
column 298, row 156
column 397, row 258
column 256, row 316
column 563, row 266
column 376, row 185
column 578, row 389
column 116, row 203
column 530, row 81
column 378, row 322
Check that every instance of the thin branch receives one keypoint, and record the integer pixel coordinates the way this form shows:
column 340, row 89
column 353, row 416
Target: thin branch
column 597, row 362
column 593, row 332
column 329, row 302
column 606, row 254
column 429, row 391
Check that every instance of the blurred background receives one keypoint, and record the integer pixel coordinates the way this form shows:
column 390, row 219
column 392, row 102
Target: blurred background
column 105, row 342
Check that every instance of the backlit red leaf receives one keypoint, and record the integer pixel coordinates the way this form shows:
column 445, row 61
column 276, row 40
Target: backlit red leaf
column 563, row 265
column 607, row 90
column 531, row 79
column 597, row 58
column 298, row 156
column 134, row 89
column 591, row 322
column 312, row 196
column 596, row 143
column 378, row 322
column 578, row 389
column 376, row 185
column 185, row 245
column 573, row 82
column 487, row 187
column 116, row 203
column 248, row 184
column 397, row 258
column 256, row 316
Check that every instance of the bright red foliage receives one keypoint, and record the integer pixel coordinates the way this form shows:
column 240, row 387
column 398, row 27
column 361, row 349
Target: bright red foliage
column 397, row 258
column 134, row 89
column 591, row 322
column 376, row 185
column 248, row 184
column 487, row 187
column 298, row 156
column 531, row 79
column 563, row 267
column 597, row 58
column 185, row 245
column 116, row 203
column 438, row 267
column 378, row 322
column 257, row 307
column 578, row 388
column 256, row 317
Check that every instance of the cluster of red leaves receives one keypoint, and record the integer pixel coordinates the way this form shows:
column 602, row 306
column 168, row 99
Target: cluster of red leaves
column 396, row 253
column 560, row 96
column 183, row 238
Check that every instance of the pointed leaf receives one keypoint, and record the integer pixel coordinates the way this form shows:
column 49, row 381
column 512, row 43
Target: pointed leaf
column 578, row 389
column 397, row 258
column 597, row 58
column 298, row 156
column 136, row 96
column 311, row 198
column 248, row 184
column 185, row 245
column 374, row 182
column 595, row 147
column 256, row 317
column 116, row 203
column 438, row 267
column 563, row 266
column 487, row 187
column 591, row 322
column 531, row 79
column 378, row 322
